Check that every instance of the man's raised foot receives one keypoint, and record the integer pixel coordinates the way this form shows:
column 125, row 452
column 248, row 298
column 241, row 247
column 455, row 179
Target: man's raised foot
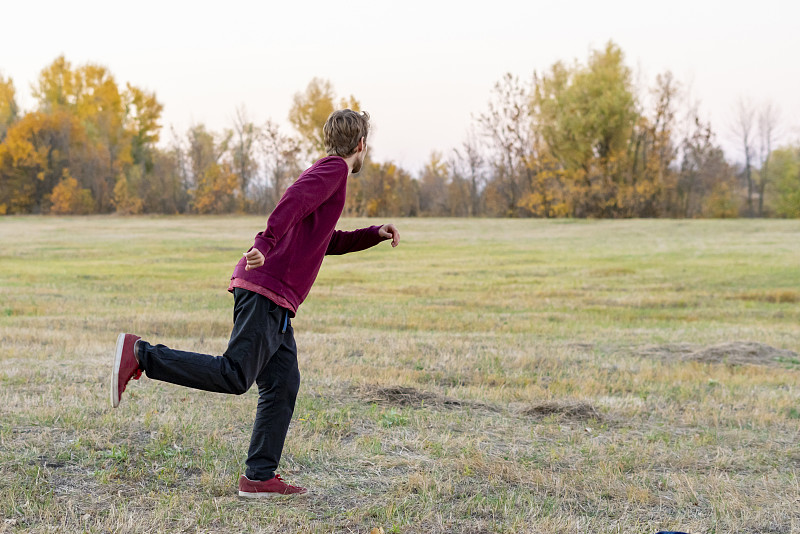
column 126, row 366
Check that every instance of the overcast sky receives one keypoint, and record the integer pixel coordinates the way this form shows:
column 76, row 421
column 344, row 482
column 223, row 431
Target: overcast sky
column 422, row 69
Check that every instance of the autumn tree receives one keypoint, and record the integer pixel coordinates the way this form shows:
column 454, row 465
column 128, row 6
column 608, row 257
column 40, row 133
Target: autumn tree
column 743, row 125
column 311, row 108
column 508, row 128
column 142, row 116
column 68, row 198
column 468, row 166
column 434, row 187
column 34, row 156
column 165, row 189
column 767, row 131
column 704, row 186
column 243, row 151
column 8, row 105
column 382, row 190
column 279, row 156
column 90, row 94
column 125, row 200
column 586, row 117
column 785, row 172
column 648, row 176
column 215, row 184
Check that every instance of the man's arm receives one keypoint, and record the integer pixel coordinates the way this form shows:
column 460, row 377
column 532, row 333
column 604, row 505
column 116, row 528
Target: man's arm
column 343, row 242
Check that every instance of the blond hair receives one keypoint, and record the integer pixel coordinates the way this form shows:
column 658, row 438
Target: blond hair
column 343, row 130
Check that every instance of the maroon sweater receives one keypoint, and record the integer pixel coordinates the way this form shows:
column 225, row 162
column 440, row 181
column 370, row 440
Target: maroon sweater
column 300, row 232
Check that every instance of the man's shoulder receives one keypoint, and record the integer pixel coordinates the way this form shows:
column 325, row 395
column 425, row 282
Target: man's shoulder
column 328, row 165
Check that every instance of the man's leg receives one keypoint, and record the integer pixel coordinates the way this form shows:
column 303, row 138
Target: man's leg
column 278, row 384
column 253, row 339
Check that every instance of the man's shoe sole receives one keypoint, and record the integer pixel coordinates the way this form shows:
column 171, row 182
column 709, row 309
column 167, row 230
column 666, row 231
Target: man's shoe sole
column 115, row 371
column 267, row 494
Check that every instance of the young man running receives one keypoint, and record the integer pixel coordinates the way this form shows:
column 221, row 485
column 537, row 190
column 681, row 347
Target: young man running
column 268, row 284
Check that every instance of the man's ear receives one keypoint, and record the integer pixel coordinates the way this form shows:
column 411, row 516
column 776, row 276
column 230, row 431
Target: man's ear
column 361, row 143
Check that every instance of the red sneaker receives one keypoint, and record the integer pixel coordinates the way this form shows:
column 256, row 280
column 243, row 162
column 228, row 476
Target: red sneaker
column 267, row 488
column 126, row 366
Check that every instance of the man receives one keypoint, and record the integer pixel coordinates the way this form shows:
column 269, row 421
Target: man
column 269, row 283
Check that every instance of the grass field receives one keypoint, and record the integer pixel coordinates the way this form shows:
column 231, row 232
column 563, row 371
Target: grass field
column 485, row 376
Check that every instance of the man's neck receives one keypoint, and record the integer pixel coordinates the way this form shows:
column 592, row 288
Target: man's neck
column 350, row 160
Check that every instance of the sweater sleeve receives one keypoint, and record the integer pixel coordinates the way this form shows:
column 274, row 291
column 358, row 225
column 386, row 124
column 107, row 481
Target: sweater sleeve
column 343, row 242
column 300, row 199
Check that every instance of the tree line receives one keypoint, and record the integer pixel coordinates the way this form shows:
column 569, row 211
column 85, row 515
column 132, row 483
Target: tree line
column 577, row 140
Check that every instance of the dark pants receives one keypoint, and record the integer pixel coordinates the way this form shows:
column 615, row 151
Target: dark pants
column 261, row 349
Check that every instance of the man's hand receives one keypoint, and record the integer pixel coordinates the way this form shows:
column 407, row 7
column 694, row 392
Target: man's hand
column 254, row 259
column 390, row 230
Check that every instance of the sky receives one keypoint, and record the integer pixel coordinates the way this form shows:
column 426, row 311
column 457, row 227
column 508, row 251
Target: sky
column 423, row 69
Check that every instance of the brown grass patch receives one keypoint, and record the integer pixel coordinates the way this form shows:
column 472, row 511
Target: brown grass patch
column 778, row 296
column 407, row 396
column 573, row 410
column 732, row 353
column 612, row 271
column 744, row 352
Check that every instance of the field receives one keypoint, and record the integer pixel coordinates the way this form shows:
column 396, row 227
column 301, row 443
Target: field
column 485, row 376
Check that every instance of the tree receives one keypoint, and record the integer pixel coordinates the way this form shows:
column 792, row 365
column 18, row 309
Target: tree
column 508, row 127
column 382, row 190
column 586, row 117
column 68, row 198
column 743, row 129
column 767, row 125
column 280, row 163
column 646, row 184
column 142, row 115
column 37, row 150
column 58, row 86
column 311, row 109
column 166, row 188
column 125, row 200
column 433, row 187
column 91, row 94
column 216, row 189
column 215, row 184
column 8, row 105
column 245, row 139
column 468, row 165
column 785, row 170
column 704, row 186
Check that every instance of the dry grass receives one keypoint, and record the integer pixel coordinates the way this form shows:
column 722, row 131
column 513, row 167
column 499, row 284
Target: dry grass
column 486, row 376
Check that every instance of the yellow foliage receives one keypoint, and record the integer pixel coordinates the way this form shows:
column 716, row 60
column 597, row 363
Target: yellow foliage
column 721, row 203
column 216, row 190
column 143, row 114
column 121, row 125
column 125, row 201
column 36, row 151
column 311, row 109
column 68, row 197
column 8, row 105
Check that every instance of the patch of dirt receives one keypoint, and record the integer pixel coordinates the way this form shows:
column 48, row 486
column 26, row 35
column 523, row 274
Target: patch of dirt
column 733, row 353
column 744, row 352
column 573, row 410
column 406, row 396
column 669, row 351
